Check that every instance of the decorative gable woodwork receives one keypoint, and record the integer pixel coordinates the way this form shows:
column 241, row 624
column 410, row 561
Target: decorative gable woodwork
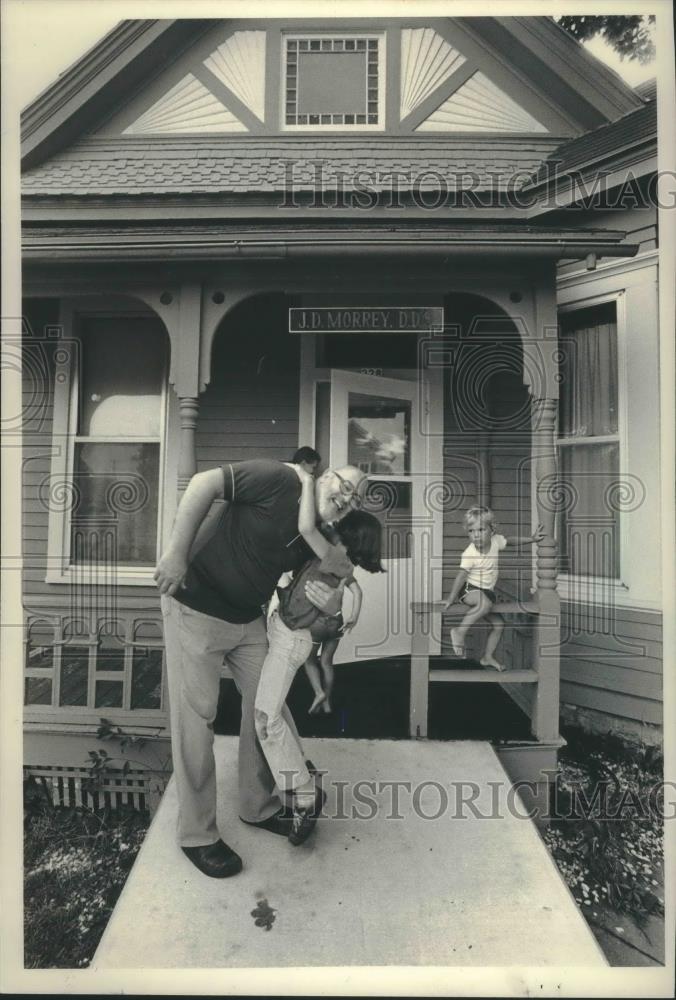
column 239, row 63
column 480, row 106
column 189, row 107
column 427, row 61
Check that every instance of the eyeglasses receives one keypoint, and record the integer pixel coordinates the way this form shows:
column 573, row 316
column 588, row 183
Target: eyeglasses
column 348, row 490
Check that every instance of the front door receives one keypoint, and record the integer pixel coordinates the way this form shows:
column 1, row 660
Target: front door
column 380, row 425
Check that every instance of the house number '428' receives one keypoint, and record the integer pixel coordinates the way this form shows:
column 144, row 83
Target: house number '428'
column 371, row 371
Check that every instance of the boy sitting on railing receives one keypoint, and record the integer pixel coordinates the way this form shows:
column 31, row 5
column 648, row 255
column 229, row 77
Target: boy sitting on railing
column 478, row 576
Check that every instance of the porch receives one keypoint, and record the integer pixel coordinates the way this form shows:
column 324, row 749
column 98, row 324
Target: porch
column 449, row 873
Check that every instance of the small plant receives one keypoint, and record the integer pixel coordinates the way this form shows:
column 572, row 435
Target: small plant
column 103, row 765
column 611, row 853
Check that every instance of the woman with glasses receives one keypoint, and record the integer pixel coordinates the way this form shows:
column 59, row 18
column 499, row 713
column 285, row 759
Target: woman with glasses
column 354, row 541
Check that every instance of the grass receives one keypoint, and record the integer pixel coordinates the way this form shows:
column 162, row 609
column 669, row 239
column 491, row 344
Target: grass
column 75, row 865
column 609, row 849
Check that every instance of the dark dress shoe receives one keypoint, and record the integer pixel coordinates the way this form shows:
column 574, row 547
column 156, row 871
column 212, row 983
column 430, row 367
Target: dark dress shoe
column 215, row 860
column 305, row 819
column 280, row 822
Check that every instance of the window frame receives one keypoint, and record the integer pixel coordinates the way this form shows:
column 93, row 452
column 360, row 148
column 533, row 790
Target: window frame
column 295, row 35
column 89, row 713
column 580, row 587
column 60, row 569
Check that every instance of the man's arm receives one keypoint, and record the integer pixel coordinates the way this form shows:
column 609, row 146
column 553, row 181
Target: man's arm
column 327, row 599
column 203, row 489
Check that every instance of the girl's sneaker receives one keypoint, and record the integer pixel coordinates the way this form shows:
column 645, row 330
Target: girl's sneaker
column 305, row 818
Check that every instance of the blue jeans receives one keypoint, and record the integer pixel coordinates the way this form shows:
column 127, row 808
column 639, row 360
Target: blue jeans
column 288, row 649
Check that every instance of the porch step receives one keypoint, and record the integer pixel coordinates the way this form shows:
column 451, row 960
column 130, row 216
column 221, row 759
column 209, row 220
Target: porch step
column 395, row 889
column 502, row 607
column 484, row 675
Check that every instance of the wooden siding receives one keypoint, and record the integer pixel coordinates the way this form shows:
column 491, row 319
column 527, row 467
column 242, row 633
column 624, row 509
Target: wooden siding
column 250, row 407
column 616, row 668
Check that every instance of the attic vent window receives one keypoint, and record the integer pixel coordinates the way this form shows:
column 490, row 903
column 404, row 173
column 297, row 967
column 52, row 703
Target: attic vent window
column 334, row 83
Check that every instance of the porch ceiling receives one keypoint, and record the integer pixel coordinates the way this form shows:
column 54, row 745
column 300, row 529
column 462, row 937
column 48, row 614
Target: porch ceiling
column 215, row 241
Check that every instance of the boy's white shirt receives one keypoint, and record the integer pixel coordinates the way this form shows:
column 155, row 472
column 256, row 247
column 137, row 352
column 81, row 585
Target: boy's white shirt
column 482, row 567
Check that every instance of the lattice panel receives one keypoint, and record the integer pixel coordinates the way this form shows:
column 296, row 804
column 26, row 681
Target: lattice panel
column 187, row 107
column 239, row 63
column 480, row 106
column 427, row 60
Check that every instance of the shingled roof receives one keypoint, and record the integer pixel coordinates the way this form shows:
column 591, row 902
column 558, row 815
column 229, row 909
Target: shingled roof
column 208, row 165
column 636, row 130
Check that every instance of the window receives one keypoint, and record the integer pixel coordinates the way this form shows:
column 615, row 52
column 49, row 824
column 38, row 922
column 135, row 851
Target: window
column 110, row 401
column 94, row 667
column 334, row 82
column 588, row 528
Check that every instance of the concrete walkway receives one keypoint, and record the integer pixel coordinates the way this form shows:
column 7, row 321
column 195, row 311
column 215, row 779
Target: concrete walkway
column 456, row 890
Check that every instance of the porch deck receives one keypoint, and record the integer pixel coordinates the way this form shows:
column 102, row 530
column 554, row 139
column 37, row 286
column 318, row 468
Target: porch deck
column 455, row 891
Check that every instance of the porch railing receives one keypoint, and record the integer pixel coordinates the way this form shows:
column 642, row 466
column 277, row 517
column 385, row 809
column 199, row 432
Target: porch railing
column 542, row 618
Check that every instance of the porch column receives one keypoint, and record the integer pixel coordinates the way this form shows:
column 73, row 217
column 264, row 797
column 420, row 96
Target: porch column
column 187, row 459
column 545, row 718
column 484, row 455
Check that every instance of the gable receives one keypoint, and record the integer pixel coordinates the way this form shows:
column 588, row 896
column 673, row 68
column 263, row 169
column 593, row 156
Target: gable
column 396, row 77
column 385, row 77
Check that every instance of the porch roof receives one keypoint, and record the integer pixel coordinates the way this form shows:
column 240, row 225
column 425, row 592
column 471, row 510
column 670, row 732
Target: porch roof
column 630, row 139
column 265, row 240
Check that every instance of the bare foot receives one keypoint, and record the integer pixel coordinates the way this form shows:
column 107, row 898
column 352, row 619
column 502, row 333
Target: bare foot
column 490, row 661
column 326, row 707
column 456, row 642
column 314, row 707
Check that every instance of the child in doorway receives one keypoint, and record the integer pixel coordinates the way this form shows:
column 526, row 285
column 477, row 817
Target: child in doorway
column 355, row 542
column 478, row 576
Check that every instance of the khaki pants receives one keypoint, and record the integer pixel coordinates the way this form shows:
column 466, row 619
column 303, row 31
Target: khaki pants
column 197, row 645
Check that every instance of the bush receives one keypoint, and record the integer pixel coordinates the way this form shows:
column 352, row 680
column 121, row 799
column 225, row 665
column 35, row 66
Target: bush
column 75, row 865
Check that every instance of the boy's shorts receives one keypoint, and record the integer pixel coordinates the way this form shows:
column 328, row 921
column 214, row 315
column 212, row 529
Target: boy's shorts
column 490, row 594
column 326, row 627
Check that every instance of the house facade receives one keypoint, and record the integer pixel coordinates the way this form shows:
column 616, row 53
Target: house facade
column 424, row 246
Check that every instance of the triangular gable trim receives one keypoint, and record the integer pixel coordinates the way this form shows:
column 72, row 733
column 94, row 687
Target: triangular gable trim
column 239, row 63
column 427, row 61
column 480, row 106
column 187, row 107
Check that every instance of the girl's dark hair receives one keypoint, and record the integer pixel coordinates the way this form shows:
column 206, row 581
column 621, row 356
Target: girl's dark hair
column 361, row 534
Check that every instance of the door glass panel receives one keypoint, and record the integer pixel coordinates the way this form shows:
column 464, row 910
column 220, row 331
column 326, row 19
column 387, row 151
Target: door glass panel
column 379, row 434
column 391, row 503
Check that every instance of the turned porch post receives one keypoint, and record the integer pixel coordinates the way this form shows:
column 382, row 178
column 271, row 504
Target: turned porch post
column 187, row 458
column 545, row 718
